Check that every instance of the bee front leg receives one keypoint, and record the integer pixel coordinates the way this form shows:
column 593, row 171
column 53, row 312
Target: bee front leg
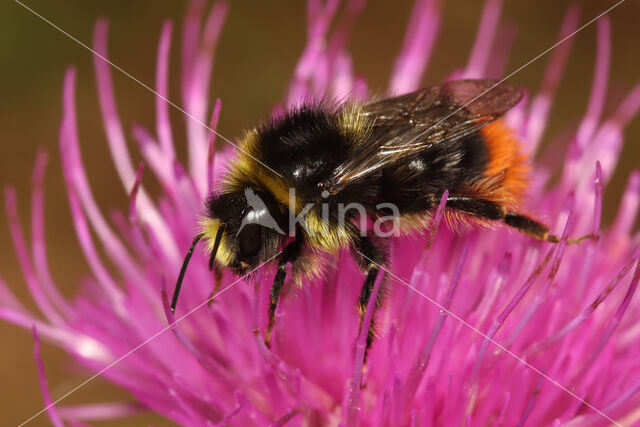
column 290, row 254
column 217, row 271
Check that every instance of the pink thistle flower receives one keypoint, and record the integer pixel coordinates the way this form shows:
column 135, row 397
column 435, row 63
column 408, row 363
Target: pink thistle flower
column 485, row 327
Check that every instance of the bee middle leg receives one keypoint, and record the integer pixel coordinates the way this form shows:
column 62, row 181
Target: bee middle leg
column 290, row 254
column 488, row 209
column 370, row 257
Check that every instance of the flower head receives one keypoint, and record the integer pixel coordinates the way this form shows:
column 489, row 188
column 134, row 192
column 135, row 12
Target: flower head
column 482, row 326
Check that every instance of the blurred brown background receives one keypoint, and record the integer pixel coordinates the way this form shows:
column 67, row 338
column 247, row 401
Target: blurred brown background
column 259, row 46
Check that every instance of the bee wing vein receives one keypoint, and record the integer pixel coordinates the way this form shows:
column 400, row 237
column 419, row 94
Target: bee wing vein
column 409, row 124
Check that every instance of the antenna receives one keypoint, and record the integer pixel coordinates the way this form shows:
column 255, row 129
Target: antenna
column 185, row 263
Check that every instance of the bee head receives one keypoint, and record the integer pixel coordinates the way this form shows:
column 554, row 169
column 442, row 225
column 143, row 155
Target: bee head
column 248, row 225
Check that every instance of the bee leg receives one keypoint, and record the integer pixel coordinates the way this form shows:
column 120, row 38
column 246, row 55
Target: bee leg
column 217, row 271
column 488, row 209
column 481, row 208
column 370, row 257
column 290, row 254
column 537, row 230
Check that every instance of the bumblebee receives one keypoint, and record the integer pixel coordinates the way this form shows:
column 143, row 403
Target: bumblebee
column 284, row 196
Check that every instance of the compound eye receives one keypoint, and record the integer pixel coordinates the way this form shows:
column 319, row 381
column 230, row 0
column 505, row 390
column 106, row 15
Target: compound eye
column 249, row 239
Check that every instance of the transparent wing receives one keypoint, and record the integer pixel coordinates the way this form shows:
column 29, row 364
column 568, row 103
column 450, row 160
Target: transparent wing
column 409, row 124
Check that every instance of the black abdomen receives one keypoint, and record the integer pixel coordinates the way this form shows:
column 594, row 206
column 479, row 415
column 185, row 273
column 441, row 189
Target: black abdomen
column 415, row 183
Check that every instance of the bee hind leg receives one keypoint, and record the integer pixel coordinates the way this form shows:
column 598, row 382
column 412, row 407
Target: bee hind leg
column 537, row 230
column 491, row 210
